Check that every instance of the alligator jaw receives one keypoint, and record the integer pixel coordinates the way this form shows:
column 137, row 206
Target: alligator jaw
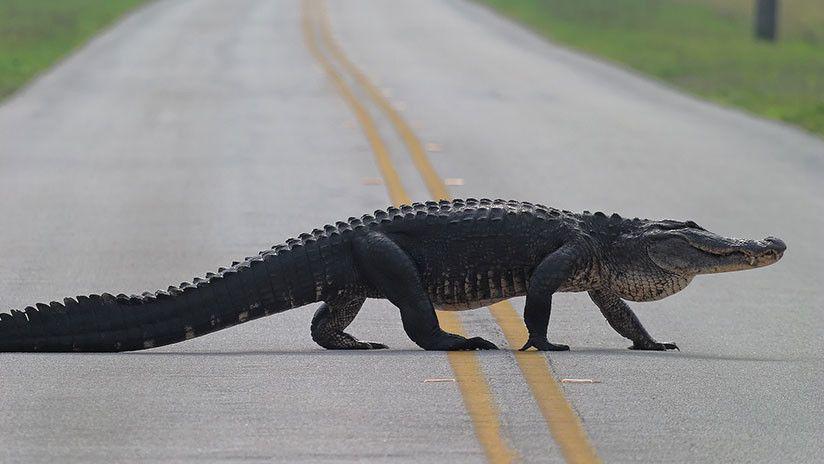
column 694, row 252
column 752, row 249
column 735, row 255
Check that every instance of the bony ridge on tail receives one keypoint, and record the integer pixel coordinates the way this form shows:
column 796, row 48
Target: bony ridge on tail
column 451, row 255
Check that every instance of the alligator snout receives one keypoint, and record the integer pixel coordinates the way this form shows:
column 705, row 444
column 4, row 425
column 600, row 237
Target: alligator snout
column 775, row 244
column 766, row 252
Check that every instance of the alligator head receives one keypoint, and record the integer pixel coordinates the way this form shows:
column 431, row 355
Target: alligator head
column 687, row 249
column 649, row 260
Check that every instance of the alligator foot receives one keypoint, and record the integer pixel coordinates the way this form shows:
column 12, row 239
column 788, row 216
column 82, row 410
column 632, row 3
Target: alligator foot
column 478, row 343
column 364, row 345
column 453, row 342
column 542, row 344
column 654, row 346
column 344, row 341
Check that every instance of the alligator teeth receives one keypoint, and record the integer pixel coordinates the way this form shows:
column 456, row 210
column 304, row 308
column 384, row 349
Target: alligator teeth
column 752, row 260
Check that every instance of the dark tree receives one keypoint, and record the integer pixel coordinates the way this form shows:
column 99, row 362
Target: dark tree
column 766, row 19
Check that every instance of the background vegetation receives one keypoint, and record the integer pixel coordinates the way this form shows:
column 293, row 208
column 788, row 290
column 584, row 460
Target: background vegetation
column 703, row 46
column 36, row 33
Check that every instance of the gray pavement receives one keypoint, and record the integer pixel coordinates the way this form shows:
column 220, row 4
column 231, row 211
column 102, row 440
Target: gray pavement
column 197, row 132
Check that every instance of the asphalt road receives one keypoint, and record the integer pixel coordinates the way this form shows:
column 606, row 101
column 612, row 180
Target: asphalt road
column 194, row 133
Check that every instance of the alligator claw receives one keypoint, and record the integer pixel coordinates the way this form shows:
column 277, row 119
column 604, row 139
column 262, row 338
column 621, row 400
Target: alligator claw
column 655, row 346
column 452, row 342
column 542, row 344
column 478, row 343
column 375, row 345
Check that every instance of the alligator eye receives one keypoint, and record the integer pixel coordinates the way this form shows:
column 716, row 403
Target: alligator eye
column 692, row 225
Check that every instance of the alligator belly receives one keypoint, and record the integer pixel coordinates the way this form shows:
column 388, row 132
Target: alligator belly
column 467, row 305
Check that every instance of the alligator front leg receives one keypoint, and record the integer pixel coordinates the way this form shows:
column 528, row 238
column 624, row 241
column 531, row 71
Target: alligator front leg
column 623, row 320
column 546, row 279
column 329, row 321
column 392, row 272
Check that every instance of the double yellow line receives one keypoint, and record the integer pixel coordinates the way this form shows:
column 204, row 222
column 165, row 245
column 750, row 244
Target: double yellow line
column 563, row 422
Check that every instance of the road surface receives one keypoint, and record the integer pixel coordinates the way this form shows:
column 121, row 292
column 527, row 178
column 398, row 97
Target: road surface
column 194, row 133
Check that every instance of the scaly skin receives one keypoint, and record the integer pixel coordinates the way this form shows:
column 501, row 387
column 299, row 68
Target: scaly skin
column 455, row 255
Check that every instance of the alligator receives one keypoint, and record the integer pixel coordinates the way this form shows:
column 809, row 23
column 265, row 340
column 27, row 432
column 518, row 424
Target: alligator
column 448, row 255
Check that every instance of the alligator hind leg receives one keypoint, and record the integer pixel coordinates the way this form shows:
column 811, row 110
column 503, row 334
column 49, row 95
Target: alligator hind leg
column 392, row 272
column 624, row 321
column 329, row 322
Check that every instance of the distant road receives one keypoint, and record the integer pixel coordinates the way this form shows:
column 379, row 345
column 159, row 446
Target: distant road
column 198, row 132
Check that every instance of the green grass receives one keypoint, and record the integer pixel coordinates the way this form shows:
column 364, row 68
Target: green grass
column 703, row 46
column 36, row 33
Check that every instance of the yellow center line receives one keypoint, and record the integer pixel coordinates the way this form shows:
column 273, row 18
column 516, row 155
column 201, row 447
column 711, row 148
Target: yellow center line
column 466, row 366
column 433, row 183
column 563, row 421
column 397, row 193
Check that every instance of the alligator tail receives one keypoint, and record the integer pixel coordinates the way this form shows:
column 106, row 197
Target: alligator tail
column 104, row 323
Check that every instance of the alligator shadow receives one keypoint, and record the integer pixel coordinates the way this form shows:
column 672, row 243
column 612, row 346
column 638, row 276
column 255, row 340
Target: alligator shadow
column 613, row 352
column 671, row 355
column 412, row 352
column 318, row 353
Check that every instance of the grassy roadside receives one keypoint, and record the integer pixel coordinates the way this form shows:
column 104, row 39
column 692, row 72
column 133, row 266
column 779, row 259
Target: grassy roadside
column 36, row 33
column 702, row 46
